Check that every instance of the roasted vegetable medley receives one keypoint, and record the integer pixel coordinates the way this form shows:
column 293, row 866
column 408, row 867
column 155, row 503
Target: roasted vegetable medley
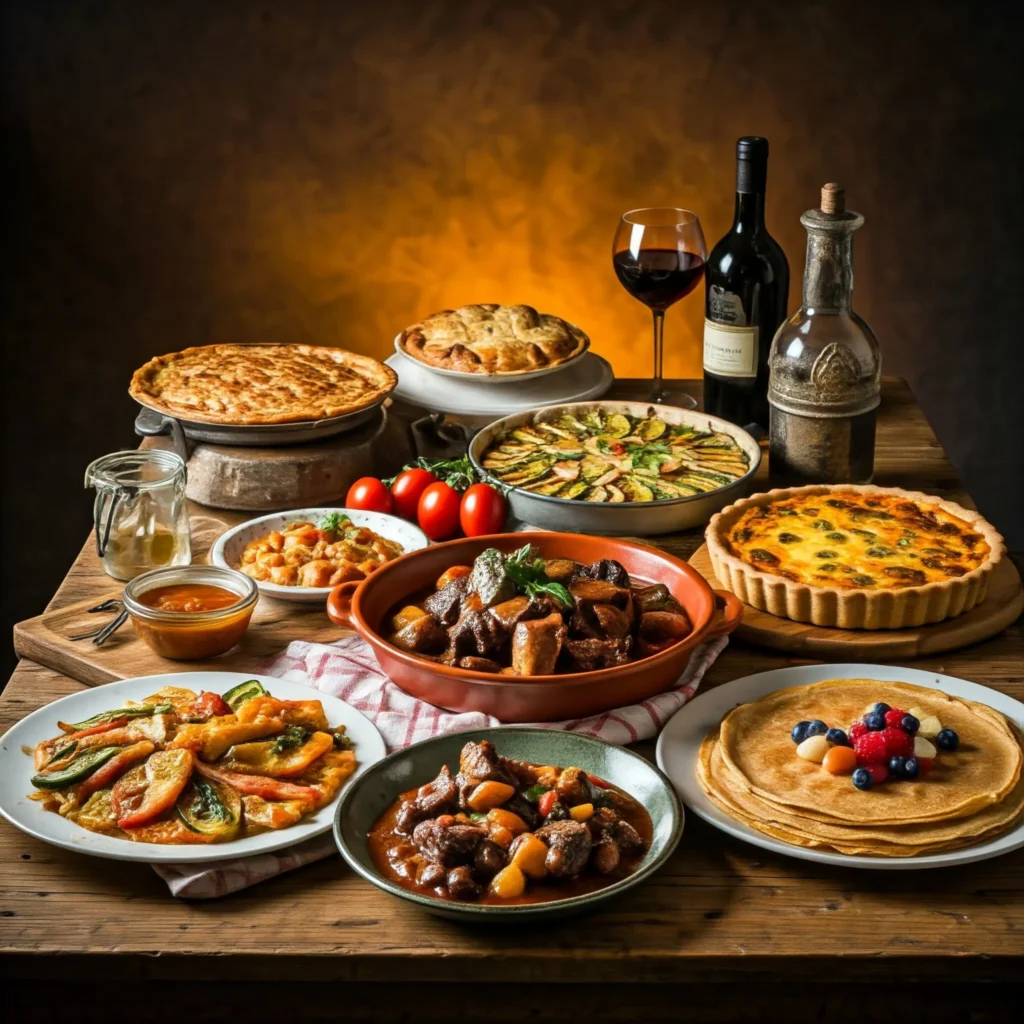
column 182, row 767
column 523, row 615
column 602, row 455
column 506, row 831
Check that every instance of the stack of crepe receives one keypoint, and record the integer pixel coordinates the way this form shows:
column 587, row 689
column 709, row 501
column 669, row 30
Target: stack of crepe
column 748, row 767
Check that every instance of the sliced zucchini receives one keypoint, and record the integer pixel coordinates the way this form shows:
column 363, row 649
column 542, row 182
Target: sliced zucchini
column 140, row 711
column 549, row 485
column 651, row 429
column 528, row 436
column 637, row 490
column 210, row 808
column 237, row 695
column 574, row 490
column 597, row 494
column 562, row 432
column 531, row 471
column 617, row 425
column 81, row 768
column 592, row 467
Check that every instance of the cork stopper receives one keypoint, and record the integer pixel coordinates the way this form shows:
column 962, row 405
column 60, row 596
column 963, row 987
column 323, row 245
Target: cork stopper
column 833, row 198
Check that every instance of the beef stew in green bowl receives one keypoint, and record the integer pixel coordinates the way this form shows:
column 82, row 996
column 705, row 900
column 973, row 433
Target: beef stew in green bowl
column 509, row 823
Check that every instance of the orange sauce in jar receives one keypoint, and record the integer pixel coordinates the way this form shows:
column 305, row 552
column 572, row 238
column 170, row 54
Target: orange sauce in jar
column 189, row 598
column 190, row 640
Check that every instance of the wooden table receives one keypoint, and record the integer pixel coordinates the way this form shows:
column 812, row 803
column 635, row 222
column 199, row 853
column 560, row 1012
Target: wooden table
column 720, row 913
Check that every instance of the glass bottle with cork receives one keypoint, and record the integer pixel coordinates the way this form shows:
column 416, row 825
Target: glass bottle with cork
column 825, row 380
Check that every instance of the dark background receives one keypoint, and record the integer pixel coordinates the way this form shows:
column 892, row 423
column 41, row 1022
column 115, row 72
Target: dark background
column 207, row 171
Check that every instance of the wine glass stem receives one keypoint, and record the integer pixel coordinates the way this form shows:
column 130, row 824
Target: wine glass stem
column 657, row 388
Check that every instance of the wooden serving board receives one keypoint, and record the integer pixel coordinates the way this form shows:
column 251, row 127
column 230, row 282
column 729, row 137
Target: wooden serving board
column 274, row 625
column 1000, row 609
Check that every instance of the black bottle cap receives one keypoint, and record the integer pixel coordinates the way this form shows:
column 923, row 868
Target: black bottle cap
column 751, row 164
column 752, row 147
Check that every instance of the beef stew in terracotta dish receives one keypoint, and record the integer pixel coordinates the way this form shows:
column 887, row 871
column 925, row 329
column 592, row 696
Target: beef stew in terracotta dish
column 503, row 831
column 522, row 615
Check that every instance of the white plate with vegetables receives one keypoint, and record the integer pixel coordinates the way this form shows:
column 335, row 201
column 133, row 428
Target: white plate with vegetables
column 153, row 769
column 302, row 555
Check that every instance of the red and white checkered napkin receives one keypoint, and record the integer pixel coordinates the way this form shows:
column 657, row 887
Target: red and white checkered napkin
column 349, row 670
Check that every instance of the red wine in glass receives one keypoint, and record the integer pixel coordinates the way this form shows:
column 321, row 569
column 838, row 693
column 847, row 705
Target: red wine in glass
column 659, row 277
column 658, row 255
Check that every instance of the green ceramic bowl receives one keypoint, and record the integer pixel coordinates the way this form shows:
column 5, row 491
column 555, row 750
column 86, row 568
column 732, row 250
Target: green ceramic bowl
column 369, row 795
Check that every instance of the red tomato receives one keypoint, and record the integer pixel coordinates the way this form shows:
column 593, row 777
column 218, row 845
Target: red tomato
column 546, row 802
column 370, row 495
column 408, row 487
column 438, row 511
column 483, row 510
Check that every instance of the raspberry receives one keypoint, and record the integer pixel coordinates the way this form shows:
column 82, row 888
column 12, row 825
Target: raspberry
column 878, row 772
column 856, row 730
column 893, row 717
column 898, row 743
column 925, row 764
column 871, row 748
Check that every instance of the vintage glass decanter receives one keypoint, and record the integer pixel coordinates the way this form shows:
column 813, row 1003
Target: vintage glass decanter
column 825, row 365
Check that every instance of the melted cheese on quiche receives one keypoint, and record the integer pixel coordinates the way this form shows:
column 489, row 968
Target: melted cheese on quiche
column 856, row 541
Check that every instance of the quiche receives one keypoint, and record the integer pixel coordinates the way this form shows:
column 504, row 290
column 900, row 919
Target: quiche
column 488, row 339
column 856, row 557
column 242, row 385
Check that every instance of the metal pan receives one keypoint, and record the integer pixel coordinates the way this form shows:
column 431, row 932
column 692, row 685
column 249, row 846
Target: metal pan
column 150, row 423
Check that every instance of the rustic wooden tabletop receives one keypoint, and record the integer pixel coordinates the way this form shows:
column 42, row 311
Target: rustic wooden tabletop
column 721, row 911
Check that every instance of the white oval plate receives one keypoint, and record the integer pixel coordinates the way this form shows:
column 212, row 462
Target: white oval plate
column 680, row 741
column 494, row 378
column 227, row 552
column 16, row 768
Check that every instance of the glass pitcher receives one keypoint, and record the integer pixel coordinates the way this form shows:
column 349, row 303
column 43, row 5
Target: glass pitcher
column 139, row 513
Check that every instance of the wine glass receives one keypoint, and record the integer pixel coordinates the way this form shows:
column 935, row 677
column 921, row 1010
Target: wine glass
column 659, row 256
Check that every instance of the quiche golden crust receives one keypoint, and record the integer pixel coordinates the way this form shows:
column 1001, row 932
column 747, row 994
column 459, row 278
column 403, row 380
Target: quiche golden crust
column 491, row 340
column 243, row 385
column 855, row 557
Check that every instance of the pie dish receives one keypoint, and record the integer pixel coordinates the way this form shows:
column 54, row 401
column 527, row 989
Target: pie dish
column 492, row 340
column 261, row 384
column 856, row 557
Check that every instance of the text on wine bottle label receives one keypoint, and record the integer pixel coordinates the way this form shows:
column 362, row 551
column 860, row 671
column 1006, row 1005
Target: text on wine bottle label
column 730, row 351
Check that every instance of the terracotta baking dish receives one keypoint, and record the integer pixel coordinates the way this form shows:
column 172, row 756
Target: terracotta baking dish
column 363, row 606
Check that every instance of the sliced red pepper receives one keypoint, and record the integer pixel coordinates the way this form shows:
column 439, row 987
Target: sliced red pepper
column 115, row 767
column 258, row 785
column 208, row 705
column 600, row 783
column 546, row 802
column 114, row 723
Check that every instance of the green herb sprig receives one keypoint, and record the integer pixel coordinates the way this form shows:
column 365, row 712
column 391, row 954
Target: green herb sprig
column 526, row 571
column 333, row 522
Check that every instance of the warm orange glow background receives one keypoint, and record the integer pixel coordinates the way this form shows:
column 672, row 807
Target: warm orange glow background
column 182, row 173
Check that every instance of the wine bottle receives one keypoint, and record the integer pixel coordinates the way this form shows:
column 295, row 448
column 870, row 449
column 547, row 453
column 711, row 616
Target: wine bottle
column 746, row 290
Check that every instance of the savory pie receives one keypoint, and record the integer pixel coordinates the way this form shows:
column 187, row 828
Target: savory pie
column 854, row 557
column 489, row 339
column 242, row 385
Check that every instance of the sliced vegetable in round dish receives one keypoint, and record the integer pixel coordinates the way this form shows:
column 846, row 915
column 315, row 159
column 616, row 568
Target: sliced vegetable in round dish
column 614, row 456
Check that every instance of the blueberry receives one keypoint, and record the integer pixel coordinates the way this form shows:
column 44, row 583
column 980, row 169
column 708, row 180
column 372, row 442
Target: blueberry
column 837, row 738
column 947, row 740
column 875, row 721
column 908, row 723
column 881, row 707
column 862, row 779
column 911, row 768
column 799, row 732
column 897, row 767
column 816, row 728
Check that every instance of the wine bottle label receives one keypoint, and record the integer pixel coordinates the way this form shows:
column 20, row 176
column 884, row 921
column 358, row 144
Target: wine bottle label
column 730, row 351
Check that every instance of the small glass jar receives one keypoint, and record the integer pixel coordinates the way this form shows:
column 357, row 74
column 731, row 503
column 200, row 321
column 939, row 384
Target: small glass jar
column 190, row 635
column 139, row 513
